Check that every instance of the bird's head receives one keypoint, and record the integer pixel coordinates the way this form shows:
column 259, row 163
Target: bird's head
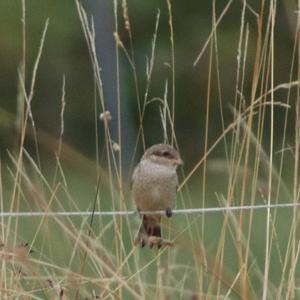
column 163, row 154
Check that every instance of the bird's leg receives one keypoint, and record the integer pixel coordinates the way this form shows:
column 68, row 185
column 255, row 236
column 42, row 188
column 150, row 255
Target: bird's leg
column 169, row 212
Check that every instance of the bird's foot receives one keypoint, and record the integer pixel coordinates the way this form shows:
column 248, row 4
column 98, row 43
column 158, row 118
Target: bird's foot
column 169, row 212
column 153, row 241
column 166, row 243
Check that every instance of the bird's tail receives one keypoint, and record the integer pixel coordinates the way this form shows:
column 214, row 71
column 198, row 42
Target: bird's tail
column 149, row 232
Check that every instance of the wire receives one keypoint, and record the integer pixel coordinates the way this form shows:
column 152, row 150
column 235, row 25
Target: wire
column 133, row 212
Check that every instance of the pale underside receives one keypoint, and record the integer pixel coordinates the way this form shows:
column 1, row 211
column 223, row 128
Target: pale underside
column 154, row 186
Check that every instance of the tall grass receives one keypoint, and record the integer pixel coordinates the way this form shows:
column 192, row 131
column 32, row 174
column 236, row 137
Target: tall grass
column 244, row 255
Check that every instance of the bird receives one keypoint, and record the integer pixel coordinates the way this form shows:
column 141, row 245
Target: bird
column 154, row 187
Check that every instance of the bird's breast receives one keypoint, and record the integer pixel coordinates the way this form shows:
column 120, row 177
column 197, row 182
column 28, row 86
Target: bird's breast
column 154, row 187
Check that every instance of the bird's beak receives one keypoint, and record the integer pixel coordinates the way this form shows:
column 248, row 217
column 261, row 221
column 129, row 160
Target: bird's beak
column 178, row 162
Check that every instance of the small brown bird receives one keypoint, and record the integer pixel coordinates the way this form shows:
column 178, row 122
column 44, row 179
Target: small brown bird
column 154, row 184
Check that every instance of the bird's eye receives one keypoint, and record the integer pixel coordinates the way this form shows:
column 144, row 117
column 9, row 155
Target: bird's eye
column 165, row 153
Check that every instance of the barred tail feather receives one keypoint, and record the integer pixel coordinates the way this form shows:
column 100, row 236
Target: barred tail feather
column 149, row 232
